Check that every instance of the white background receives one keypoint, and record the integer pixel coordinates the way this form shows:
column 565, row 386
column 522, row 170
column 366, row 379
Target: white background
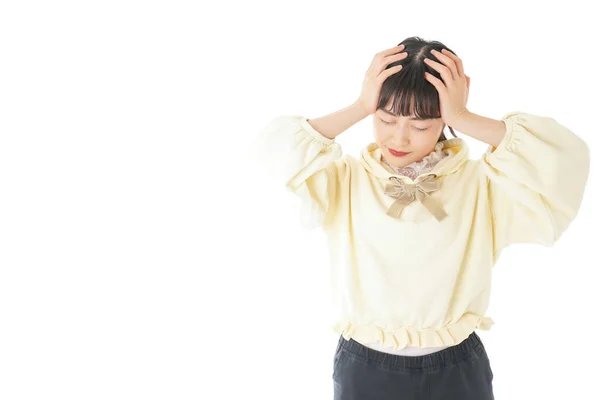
column 142, row 254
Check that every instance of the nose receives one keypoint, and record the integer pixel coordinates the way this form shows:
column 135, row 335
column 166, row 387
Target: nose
column 400, row 139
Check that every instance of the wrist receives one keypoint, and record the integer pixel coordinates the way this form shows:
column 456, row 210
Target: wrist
column 359, row 110
column 461, row 118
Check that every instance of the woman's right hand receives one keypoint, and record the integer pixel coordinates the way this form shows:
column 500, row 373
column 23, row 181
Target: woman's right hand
column 377, row 74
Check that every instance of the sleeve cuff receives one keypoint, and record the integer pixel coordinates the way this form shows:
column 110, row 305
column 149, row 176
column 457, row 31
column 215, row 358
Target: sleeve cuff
column 314, row 133
column 504, row 145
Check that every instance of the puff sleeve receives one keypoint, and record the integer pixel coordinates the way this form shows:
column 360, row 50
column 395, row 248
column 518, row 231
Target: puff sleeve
column 305, row 162
column 535, row 178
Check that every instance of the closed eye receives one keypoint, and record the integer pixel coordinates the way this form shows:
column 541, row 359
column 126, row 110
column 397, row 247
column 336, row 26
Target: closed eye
column 390, row 123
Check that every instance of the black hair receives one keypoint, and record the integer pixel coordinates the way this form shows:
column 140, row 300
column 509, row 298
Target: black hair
column 409, row 84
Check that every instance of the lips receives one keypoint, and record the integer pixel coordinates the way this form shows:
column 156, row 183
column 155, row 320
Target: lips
column 398, row 153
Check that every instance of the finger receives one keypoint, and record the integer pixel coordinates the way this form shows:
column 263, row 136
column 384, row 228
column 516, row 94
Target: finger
column 447, row 61
column 396, row 56
column 386, row 73
column 391, row 59
column 391, row 50
column 438, row 84
column 442, row 69
column 457, row 61
column 376, row 62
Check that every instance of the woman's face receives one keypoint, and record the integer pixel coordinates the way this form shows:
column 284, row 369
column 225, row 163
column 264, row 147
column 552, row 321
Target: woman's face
column 413, row 136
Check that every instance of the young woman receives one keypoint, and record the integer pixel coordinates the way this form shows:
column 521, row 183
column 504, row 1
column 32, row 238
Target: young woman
column 415, row 226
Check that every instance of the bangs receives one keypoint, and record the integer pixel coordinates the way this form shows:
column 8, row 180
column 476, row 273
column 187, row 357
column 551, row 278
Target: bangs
column 410, row 94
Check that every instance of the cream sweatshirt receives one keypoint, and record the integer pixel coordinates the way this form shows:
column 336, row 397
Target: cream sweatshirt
column 411, row 260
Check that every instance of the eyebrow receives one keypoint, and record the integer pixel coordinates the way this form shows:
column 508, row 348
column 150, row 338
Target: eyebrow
column 411, row 118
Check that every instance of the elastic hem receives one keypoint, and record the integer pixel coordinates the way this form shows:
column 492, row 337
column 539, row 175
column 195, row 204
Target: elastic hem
column 448, row 335
column 469, row 347
column 314, row 133
column 505, row 143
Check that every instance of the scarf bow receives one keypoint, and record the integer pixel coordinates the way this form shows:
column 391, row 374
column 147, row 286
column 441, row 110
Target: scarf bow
column 406, row 193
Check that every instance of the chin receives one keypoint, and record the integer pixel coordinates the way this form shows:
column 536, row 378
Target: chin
column 397, row 164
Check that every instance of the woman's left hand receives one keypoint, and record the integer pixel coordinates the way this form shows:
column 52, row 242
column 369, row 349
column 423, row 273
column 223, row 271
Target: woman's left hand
column 454, row 90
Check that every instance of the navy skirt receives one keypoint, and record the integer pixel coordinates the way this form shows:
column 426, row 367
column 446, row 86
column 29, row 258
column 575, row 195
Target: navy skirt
column 458, row 372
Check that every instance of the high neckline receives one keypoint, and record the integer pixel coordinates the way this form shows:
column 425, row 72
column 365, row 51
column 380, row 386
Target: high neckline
column 370, row 159
column 426, row 164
